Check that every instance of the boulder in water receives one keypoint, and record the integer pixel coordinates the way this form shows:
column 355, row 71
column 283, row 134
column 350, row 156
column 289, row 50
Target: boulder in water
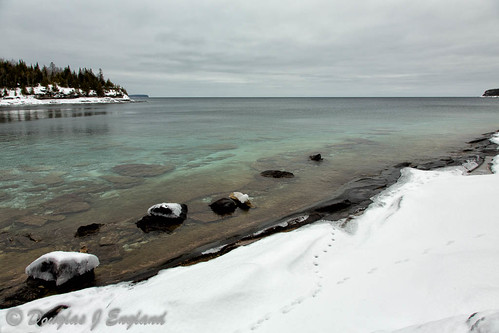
column 163, row 217
column 224, row 206
column 316, row 157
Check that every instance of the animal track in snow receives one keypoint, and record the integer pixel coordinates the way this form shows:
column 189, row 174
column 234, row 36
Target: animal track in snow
column 259, row 322
column 450, row 243
column 401, row 261
column 372, row 270
column 343, row 280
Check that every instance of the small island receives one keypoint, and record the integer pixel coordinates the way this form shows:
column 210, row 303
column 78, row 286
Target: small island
column 21, row 84
column 491, row 93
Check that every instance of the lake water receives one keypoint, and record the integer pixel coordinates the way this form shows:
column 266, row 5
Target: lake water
column 63, row 166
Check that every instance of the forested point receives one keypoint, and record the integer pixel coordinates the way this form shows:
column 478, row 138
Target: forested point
column 14, row 75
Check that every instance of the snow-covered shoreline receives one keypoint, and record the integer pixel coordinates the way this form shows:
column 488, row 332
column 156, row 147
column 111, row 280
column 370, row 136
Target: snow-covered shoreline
column 14, row 97
column 422, row 258
column 30, row 100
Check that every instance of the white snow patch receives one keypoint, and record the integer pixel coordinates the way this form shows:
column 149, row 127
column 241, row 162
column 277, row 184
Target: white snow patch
column 495, row 138
column 214, row 250
column 61, row 266
column 470, row 165
column 242, row 198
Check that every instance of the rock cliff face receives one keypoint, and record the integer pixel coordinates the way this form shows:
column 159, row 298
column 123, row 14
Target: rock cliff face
column 491, row 93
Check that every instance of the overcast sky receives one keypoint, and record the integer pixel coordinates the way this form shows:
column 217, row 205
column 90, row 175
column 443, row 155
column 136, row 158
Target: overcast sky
column 265, row 47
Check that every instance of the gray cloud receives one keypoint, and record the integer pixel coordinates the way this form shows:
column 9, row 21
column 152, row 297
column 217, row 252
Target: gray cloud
column 265, row 48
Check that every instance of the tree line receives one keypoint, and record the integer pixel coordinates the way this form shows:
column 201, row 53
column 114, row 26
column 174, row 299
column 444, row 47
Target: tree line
column 19, row 75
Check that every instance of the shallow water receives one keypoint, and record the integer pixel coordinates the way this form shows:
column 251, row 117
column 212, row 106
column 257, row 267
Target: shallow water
column 59, row 164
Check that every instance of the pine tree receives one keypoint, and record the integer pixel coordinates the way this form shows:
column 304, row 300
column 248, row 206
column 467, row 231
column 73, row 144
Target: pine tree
column 24, row 91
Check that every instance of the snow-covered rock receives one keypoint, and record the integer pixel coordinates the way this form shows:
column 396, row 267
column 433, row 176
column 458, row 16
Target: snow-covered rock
column 61, row 266
column 163, row 216
column 168, row 210
column 242, row 200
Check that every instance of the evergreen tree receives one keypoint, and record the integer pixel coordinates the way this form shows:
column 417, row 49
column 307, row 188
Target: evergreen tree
column 19, row 75
column 24, row 91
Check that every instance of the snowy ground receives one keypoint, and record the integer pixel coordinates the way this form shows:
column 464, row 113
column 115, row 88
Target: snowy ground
column 15, row 97
column 423, row 258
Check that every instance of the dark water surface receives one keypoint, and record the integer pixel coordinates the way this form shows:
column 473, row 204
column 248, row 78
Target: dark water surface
column 71, row 165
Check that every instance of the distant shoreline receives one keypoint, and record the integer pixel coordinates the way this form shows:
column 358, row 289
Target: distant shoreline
column 32, row 101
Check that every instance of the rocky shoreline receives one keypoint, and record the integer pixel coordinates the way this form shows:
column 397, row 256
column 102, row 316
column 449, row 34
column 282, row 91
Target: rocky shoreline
column 352, row 199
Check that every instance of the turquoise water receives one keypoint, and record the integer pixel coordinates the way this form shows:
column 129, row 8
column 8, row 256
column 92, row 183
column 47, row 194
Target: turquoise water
column 57, row 164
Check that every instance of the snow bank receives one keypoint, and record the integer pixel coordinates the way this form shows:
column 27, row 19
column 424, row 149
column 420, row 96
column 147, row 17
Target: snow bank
column 60, row 266
column 423, row 258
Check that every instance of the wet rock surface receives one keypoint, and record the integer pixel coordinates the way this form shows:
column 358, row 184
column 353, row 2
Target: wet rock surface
column 224, row 206
column 141, row 170
column 67, row 204
column 33, row 220
column 122, row 182
column 53, row 179
column 276, row 174
column 86, row 230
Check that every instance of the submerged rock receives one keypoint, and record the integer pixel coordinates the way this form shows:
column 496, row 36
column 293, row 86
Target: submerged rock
column 61, row 267
column 142, row 170
column 52, row 179
column 277, row 174
column 163, row 217
column 67, row 203
column 123, row 181
column 33, row 220
column 90, row 229
column 316, row 157
column 224, row 206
